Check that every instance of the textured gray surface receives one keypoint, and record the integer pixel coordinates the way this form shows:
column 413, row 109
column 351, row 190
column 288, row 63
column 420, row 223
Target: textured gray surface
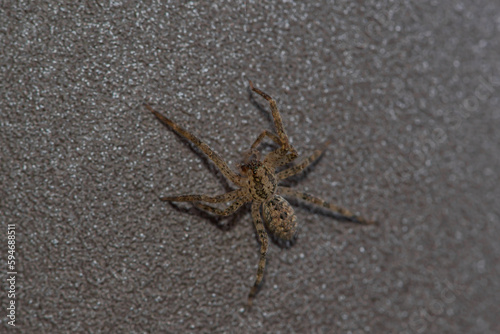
column 408, row 92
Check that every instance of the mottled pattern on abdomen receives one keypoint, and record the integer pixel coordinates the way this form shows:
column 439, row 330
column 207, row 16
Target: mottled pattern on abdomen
column 280, row 218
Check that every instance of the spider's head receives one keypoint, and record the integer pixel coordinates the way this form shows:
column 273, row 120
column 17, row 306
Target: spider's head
column 251, row 168
column 262, row 182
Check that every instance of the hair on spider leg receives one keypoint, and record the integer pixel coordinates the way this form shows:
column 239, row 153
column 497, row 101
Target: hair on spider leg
column 312, row 208
column 204, row 160
column 297, row 178
column 208, row 165
column 259, row 106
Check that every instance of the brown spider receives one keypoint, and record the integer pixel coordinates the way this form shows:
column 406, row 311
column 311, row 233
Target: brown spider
column 258, row 184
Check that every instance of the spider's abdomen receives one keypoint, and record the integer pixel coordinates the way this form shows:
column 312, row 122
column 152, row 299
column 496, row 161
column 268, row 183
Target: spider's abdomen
column 279, row 218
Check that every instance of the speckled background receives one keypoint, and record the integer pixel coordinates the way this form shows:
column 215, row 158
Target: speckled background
column 408, row 91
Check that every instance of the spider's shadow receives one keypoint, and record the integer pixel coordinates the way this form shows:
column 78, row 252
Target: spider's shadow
column 314, row 209
column 222, row 223
column 283, row 244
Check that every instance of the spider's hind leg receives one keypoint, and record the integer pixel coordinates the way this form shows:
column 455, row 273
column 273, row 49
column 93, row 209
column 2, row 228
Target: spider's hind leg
column 303, row 165
column 285, row 191
column 205, row 198
column 261, row 232
column 226, row 212
column 239, row 195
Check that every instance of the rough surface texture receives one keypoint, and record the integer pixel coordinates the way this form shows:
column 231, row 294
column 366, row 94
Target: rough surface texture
column 407, row 91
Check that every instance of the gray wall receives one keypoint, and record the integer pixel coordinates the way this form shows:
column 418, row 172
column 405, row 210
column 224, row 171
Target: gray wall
column 407, row 91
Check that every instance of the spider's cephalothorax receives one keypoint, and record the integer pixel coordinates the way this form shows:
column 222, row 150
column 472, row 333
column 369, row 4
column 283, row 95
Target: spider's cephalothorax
column 262, row 181
column 258, row 184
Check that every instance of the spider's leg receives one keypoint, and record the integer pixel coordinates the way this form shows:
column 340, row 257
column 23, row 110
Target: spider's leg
column 261, row 231
column 300, row 167
column 253, row 148
column 279, row 157
column 318, row 201
column 206, row 198
column 278, row 123
column 265, row 133
column 221, row 164
column 226, row 212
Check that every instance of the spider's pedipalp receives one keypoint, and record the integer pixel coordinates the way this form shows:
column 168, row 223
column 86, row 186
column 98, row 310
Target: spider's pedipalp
column 221, row 164
column 285, row 191
column 261, row 232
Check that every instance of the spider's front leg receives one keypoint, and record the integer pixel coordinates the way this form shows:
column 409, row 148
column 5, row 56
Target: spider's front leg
column 278, row 123
column 261, row 231
column 211, row 154
column 253, row 149
column 286, row 153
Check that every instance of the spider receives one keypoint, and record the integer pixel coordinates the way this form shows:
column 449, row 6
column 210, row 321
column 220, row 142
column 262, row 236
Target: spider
column 258, row 183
